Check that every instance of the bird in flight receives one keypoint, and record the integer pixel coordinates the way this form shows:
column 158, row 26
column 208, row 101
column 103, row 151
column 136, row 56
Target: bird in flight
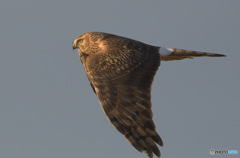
column 121, row 71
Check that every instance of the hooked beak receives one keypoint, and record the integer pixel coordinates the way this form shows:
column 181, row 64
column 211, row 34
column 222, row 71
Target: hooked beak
column 74, row 45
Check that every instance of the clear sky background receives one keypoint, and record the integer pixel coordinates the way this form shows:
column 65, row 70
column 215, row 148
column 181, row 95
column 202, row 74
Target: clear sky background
column 48, row 109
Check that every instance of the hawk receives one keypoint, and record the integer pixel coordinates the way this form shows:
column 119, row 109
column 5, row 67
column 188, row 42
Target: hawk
column 121, row 71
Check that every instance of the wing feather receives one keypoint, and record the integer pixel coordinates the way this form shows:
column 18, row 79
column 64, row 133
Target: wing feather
column 122, row 81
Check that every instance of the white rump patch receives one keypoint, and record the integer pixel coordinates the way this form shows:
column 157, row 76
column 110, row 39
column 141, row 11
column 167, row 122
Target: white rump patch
column 165, row 51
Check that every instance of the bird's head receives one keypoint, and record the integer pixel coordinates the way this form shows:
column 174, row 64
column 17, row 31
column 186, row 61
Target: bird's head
column 82, row 42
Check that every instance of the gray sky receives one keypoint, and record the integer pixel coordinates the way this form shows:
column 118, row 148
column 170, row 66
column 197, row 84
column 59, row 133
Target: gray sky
column 48, row 109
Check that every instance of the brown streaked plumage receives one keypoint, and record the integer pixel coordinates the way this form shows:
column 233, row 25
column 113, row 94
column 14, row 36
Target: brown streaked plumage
column 121, row 71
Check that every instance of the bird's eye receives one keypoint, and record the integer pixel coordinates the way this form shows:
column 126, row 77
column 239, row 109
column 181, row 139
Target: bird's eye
column 81, row 41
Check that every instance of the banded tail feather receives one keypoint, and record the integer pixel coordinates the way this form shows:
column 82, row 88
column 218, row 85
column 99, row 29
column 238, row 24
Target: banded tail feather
column 168, row 54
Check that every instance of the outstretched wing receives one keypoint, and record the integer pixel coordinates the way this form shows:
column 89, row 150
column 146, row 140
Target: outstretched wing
column 122, row 79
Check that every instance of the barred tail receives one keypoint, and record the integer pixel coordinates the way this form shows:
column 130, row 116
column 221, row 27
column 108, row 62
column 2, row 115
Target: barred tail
column 168, row 54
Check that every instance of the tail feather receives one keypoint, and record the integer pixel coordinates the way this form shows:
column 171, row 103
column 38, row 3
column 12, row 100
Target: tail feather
column 168, row 54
